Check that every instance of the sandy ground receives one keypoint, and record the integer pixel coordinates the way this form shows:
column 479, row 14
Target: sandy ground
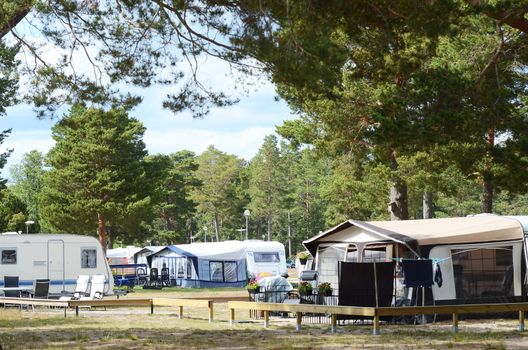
column 135, row 328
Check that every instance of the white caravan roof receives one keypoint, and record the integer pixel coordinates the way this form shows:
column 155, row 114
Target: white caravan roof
column 415, row 233
column 223, row 250
column 44, row 237
column 212, row 250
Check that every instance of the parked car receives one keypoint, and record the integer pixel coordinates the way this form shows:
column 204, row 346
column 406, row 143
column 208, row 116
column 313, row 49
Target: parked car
column 290, row 264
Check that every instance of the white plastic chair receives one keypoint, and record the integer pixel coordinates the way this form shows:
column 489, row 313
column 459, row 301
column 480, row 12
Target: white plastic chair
column 97, row 287
column 81, row 289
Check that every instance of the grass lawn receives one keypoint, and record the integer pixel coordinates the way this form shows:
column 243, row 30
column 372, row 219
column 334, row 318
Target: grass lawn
column 135, row 328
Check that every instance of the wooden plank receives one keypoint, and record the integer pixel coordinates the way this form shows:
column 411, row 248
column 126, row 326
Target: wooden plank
column 182, row 302
column 449, row 309
column 111, row 302
column 323, row 309
column 34, row 302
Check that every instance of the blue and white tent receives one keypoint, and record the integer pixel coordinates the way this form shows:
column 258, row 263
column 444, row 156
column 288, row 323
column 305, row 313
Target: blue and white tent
column 203, row 265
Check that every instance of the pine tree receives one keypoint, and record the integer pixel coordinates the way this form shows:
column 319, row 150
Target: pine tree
column 97, row 176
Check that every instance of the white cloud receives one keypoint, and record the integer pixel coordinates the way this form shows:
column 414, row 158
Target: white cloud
column 244, row 143
column 23, row 143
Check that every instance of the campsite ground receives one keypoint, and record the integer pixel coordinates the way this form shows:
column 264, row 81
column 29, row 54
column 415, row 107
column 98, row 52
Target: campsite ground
column 135, row 328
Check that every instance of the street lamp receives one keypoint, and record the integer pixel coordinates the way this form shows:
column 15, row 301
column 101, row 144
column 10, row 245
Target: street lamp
column 247, row 213
column 29, row 222
column 205, row 232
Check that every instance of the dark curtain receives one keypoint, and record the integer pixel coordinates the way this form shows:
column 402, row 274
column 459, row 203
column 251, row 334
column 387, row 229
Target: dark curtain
column 357, row 287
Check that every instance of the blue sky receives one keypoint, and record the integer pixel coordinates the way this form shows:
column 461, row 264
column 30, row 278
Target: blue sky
column 238, row 129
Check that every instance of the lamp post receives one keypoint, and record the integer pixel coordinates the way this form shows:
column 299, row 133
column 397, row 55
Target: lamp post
column 29, row 222
column 247, row 213
column 205, row 232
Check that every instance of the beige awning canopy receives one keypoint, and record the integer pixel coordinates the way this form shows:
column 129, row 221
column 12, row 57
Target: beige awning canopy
column 490, row 228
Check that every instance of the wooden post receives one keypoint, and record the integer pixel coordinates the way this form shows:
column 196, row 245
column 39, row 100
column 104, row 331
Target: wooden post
column 231, row 317
column 77, row 310
column 65, row 312
column 455, row 322
column 376, row 324
column 334, row 323
column 181, row 312
column 266, row 319
column 298, row 322
column 521, row 321
column 211, row 315
column 152, row 307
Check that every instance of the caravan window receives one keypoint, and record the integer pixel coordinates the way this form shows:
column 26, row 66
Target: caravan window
column 266, row 257
column 88, row 258
column 9, row 256
column 483, row 273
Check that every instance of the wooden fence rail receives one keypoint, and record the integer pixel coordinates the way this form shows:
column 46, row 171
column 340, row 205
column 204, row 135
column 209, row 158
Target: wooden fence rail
column 376, row 313
column 145, row 302
column 187, row 303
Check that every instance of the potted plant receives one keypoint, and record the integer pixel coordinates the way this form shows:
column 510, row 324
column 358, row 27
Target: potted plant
column 324, row 289
column 305, row 288
column 253, row 287
column 303, row 257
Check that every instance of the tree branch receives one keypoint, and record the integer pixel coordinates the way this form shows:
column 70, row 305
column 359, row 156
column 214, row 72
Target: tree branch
column 14, row 20
column 514, row 19
column 494, row 58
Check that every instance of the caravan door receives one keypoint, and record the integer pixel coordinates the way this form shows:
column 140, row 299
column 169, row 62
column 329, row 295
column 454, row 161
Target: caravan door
column 56, row 262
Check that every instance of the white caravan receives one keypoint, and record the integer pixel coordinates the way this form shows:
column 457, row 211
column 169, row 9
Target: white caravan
column 267, row 257
column 57, row 257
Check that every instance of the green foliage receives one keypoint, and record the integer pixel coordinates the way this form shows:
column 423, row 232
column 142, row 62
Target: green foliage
column 8, row 89
column 175, row 177
column 13, row 212
column 97, row 170
column 27, row 177
column 267, row 184
column 220, row 204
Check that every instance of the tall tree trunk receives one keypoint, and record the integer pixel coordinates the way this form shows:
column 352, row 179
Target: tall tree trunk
column 487, row 176
column 101, row 230
column 217, row 227
column 269, row 228
column 289, row 234
column 398, row 205
column 427, row 202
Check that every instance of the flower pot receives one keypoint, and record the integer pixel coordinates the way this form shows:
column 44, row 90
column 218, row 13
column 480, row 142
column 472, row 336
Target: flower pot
column 303, row 261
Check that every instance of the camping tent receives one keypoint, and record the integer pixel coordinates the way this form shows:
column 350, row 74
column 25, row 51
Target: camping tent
column 481, row 257
column 212, row 264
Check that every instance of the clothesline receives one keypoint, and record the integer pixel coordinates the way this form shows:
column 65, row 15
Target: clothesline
column 434, row 260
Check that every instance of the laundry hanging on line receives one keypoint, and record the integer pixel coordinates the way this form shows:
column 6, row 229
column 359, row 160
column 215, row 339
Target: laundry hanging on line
column 417, row 273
